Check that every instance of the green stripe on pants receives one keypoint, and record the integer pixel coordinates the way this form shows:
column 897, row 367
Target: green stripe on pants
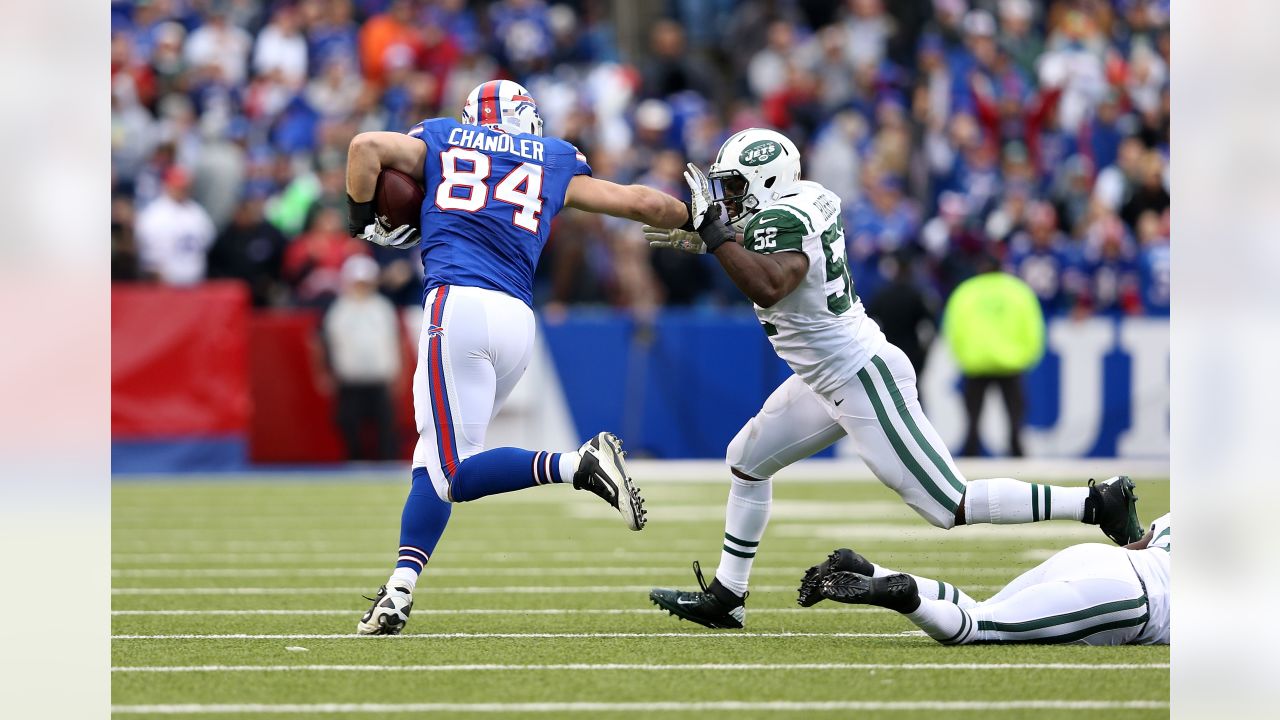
column 1083, row 633
column 1048, row 506
column 910, row 422
column 898, row 447
column 1064, row 618
column 1035, row 503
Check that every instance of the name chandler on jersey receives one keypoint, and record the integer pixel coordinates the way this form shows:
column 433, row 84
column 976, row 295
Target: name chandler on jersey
column 527, row 148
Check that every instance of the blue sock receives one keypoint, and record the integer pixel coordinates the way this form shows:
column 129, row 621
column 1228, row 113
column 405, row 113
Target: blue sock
column 503, row 470
column 422, row 523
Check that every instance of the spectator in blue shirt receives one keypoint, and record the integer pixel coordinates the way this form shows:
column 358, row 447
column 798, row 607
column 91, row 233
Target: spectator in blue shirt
column 1111, row 272
column 877, row 226
column 1153, row 262
column 1038, row 256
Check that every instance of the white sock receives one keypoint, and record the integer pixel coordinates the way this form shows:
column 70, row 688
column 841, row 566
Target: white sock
column 746, row 516
column 569, row 465
column 1005, row 501
column 931, row 589
column 943, row 621
column 404, row 576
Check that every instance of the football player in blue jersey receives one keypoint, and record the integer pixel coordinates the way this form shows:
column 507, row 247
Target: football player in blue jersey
column 493, row 183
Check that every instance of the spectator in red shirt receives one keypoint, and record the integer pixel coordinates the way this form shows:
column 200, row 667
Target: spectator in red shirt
column 313, row 261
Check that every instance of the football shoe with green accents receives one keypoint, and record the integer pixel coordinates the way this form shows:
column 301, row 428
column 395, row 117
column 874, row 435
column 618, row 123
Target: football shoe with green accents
column 1112, row 506
column 714, row 606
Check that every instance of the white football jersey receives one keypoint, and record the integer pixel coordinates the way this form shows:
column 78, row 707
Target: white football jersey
column 1153, row 568
column 821, row 329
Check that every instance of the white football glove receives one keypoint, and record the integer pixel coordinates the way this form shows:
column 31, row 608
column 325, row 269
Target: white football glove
column 700, row 188
column 401, row 238
column 675, row 239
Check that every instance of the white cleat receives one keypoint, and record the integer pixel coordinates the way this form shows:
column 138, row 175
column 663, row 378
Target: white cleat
column 389, row 613
column 603, row 471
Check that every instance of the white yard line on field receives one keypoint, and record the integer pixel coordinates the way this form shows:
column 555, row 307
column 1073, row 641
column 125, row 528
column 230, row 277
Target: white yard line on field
column 523, row 571
column 491, row 611
column 639, row 667
column 643, row 707
column 774, row 551
column 487, row 636
column 461, row 590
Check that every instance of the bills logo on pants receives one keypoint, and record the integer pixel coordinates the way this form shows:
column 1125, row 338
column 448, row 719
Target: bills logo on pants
column 474, row 347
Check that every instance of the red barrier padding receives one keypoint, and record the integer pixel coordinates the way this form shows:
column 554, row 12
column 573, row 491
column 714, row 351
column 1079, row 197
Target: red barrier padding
column 293, row 405
column 179, row 360
column 293, row 412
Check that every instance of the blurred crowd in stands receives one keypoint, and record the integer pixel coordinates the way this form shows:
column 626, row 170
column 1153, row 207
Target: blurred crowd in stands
column 953, row 131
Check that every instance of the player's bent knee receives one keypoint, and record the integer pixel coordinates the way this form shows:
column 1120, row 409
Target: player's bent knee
column 742, row 467
column 740, row 458
column 938, row 516
column 735, row 454
column 435, row 476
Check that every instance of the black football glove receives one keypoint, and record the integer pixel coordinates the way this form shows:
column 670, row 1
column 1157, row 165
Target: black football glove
column 359, row 216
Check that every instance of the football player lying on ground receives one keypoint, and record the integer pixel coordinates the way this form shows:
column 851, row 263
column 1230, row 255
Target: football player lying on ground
column 493, row 184
column 1089, row 594
column 848, row 379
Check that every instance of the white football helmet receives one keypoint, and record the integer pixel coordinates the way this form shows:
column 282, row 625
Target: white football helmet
column 504, row 104
column 753, row 169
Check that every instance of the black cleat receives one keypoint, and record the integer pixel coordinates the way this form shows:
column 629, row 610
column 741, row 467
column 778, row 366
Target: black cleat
column 603, row 471
column 715, row 606
column 1112, row 505
column 842, row 560
column 895, row 592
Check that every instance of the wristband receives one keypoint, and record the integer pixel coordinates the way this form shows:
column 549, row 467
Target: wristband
column 359, row 216
column 688, row 224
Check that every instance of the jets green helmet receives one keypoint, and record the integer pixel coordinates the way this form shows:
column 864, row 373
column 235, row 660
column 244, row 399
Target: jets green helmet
column 753, row 169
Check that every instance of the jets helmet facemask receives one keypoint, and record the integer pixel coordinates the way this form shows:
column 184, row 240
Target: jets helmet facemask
column 754, row 168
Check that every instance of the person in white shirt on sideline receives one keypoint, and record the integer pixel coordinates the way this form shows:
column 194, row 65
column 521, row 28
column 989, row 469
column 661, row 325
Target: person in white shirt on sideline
column 362, row 334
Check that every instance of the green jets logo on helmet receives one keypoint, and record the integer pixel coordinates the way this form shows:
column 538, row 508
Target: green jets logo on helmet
column 759, row 153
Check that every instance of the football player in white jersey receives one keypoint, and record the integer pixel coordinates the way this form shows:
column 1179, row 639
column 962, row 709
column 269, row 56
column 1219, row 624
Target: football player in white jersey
column 1090, row 594
column 790, row 261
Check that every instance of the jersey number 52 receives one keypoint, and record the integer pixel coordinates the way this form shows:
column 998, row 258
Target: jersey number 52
column 522, row 187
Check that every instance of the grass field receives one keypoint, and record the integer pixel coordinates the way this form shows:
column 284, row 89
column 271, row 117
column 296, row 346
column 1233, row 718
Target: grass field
column 239, row 598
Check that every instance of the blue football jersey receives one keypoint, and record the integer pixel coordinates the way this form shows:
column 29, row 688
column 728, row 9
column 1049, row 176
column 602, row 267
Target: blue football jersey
column 490, row 198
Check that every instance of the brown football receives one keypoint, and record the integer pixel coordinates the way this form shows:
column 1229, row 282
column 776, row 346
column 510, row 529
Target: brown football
column 398, row 198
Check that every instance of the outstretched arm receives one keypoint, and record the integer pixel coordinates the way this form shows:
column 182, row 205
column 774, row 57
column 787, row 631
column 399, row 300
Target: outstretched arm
column 633, row 202
column 371, row 152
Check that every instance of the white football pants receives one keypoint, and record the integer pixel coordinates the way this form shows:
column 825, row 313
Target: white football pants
column 880, row 411
column 1087, row 594
column 474, row 347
